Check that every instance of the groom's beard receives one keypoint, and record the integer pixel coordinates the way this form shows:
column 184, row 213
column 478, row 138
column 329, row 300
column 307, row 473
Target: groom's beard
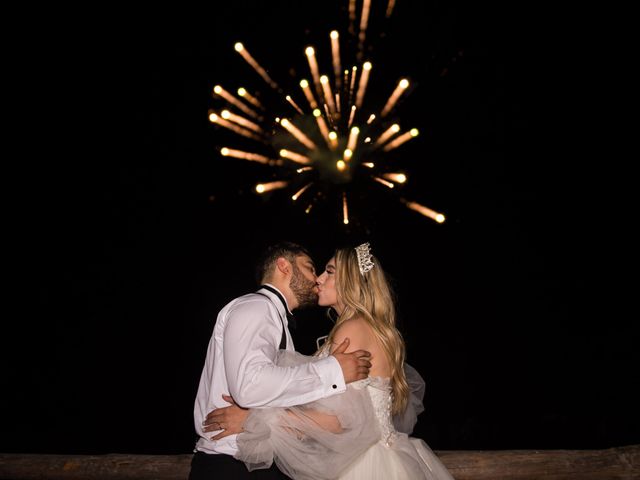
column 303, row 289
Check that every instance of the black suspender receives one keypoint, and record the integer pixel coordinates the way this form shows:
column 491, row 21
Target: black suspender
column 283, row 340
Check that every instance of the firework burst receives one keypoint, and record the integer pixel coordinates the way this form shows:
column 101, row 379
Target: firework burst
column 322, row 138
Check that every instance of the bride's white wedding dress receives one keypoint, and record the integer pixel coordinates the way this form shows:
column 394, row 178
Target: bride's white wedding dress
column 350, row 436
column 395, row 455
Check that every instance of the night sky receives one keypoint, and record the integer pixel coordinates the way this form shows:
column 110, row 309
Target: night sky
column 128, row 231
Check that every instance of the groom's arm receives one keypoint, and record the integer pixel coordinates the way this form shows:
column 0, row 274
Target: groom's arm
column 250, row 348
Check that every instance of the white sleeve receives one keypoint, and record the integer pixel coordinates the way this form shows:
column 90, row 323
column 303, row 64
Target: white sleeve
column 251, row 340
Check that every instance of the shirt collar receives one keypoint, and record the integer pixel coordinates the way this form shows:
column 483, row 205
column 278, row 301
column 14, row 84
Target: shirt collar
column 283, row 299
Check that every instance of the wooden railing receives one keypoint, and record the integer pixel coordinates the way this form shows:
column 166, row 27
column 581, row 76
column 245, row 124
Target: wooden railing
column 609, row 464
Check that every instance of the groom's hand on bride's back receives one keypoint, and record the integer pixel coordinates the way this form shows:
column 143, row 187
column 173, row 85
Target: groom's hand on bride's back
column 355, row 365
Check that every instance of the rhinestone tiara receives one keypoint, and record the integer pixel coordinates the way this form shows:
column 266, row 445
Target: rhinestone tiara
column 364, row 258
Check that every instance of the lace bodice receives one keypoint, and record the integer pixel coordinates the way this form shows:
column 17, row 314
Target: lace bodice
column 379, row 389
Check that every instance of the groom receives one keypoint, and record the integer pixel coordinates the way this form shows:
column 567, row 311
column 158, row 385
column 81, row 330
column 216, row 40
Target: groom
column 241, row 355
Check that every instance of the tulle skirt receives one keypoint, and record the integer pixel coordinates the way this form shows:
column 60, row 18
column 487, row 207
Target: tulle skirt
column 405, row 459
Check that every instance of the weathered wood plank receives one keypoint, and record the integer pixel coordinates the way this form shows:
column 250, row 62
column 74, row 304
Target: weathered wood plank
column 612, row 464
column 94, row 467
column 621, row 463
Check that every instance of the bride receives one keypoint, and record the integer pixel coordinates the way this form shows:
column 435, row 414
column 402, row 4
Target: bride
column 357, row 434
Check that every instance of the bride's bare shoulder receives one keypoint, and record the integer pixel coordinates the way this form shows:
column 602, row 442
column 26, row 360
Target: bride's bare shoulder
column 358, row 331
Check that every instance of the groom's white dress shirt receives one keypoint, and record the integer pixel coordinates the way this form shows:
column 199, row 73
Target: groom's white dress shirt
column 240, row 362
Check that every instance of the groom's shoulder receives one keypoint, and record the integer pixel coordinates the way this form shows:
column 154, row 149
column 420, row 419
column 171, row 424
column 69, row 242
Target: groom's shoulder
column 248, row 302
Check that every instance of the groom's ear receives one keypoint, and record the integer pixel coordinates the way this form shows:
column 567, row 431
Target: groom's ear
column 283, row 266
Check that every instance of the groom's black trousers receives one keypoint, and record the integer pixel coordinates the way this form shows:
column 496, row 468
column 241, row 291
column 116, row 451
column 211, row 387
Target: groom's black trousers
column 206, row 466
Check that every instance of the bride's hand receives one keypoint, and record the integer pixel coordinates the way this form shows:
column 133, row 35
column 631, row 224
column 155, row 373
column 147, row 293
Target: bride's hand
column 228, row 419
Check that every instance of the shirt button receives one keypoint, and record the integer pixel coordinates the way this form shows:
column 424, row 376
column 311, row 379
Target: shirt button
column 334, row 386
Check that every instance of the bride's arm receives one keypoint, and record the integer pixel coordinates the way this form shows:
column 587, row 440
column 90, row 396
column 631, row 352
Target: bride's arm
column 325, row 421
column 230, row 420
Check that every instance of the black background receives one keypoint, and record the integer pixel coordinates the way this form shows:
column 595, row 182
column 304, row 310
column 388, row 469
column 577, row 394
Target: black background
column 129, row 231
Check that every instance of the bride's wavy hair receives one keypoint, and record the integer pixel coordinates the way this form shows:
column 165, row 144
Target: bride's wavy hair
column 370, row 297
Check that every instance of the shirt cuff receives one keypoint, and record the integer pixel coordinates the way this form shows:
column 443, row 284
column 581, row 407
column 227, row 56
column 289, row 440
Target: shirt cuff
column 330, row 373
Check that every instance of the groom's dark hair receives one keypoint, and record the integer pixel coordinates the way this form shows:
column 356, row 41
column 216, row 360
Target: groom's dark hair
column 267, row 259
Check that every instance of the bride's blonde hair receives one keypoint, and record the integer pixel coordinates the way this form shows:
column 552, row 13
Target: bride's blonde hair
column 369, row 296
